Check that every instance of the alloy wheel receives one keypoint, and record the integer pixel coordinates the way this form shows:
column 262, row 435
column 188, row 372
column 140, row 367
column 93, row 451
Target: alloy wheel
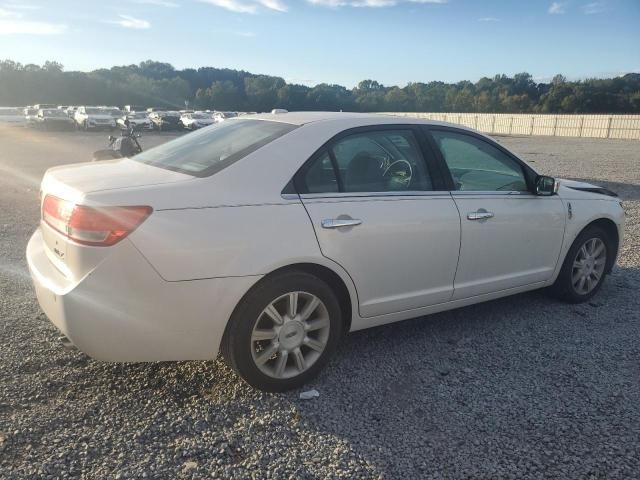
column 290, row 335
column 588, row 266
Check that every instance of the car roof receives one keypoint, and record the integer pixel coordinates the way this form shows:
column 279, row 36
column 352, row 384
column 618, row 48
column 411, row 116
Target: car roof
column 303, row 118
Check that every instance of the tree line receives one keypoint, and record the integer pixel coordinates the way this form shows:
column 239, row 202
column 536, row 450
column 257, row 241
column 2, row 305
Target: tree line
column 152, row 83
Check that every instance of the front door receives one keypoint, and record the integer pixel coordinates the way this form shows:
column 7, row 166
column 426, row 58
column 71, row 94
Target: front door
column 510, row 237
column 370, row 198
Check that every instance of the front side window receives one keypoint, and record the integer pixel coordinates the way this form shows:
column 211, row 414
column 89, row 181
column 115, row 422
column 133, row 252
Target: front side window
column 476, row 165
column 210, row 150
column 373, row 161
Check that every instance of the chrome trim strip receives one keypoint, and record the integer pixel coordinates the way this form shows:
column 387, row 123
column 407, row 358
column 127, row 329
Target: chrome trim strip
column 356, row 195
column 490, row 192
column 289, row 196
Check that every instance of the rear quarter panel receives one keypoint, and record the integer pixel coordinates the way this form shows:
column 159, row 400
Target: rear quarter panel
column 230, row 241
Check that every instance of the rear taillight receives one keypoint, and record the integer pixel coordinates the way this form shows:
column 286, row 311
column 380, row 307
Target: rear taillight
column 96, row 226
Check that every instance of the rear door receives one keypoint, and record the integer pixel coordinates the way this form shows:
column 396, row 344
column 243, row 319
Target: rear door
column 510, row 237
column 372, row 199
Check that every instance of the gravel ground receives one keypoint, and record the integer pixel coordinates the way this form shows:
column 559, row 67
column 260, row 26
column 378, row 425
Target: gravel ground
column 523, row 387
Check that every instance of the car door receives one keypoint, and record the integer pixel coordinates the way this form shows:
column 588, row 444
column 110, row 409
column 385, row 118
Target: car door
column 371, row 197
column 509, row 236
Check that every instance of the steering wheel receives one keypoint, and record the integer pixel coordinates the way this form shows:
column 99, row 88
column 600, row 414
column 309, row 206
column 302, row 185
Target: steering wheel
column 400, row 173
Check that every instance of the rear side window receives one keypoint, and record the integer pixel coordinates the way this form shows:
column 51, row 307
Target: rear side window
column 321, row 177
column 214, row 148
column 372, row 161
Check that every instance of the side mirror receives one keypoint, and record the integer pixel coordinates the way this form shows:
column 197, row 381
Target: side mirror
column 546, row 186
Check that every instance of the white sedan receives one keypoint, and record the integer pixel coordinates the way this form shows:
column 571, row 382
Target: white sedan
column 195, row 120
column 269, row 237
column 137, row 120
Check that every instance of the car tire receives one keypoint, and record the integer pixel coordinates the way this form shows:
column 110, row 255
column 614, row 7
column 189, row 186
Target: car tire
column 588, row 258
column 300, row 347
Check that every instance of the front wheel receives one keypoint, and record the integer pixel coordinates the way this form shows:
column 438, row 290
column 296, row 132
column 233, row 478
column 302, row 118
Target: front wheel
column 585, row 266
column 283, row 331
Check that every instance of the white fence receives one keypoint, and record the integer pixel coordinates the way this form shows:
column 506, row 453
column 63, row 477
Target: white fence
column 592, row 126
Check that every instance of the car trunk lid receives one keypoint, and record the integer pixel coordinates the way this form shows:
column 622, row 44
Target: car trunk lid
column 71, row 184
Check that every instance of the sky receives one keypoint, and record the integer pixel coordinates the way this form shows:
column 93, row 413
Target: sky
column 333, row 41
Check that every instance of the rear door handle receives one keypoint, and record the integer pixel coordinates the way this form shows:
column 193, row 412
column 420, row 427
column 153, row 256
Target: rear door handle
column 340, row 222
column 479, row 215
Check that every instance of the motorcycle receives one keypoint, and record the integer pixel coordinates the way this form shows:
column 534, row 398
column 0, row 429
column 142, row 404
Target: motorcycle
column 126, row 145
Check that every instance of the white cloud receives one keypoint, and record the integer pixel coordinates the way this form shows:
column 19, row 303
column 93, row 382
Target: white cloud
column 488, row 19
column 12, row 22
column 248, row 6
column 557, row 8
column 593, row 8
column 127, row 21
column 20, row 6
column 370, row 3
column 5, row 13
column 27, row 27
column 159, row 3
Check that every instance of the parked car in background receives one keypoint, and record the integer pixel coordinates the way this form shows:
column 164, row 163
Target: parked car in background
column 222, row 116
column 91, row 118
column 137, row 120
column 12, row 115
column 165, row 120
column 40, row 106
column 30, row 116
column 195, row 120
column 115, row 112
column 134, row 108
column 54, row 119
column 218, row 240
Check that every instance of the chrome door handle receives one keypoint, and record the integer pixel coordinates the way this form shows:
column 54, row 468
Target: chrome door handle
column 340, row 222
column 479, row 215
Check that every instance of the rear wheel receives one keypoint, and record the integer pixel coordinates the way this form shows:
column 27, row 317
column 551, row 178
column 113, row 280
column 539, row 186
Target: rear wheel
column 585, row 266
column 283, row 332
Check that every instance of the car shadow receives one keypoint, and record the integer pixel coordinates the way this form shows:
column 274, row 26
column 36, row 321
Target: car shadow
column 484, row 386
column 441, row 388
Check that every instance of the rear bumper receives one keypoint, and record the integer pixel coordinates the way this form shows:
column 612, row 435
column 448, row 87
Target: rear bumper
column 123, row 311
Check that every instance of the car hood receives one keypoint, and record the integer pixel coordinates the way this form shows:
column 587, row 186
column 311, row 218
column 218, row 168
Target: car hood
column 570, row 187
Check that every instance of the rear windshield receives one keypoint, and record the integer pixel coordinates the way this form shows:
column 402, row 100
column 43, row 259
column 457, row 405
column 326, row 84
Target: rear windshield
column 210, row 150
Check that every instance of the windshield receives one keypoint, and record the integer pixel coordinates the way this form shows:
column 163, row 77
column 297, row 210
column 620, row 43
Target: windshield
column 137, row 115
column 95, row 111
column 210, row 150
column 200, row 115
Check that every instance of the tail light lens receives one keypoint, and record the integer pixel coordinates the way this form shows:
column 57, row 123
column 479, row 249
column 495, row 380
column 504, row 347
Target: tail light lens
column 96, row 226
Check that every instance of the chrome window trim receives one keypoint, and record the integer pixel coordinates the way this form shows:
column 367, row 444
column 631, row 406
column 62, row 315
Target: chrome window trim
column 483, row 193
column 409, row 193
column 290, row 196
